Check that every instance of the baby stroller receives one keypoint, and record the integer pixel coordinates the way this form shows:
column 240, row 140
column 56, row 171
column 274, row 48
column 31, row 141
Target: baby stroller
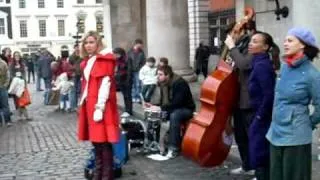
column 120, row 157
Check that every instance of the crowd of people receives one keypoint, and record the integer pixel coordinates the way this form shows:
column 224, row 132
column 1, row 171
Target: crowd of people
column 272, row 122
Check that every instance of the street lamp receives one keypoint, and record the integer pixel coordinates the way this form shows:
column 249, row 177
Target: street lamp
column 284, row 11
column 80, row 29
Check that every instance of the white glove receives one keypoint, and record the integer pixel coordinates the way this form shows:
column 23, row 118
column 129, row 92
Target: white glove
column 97, row 115
column 229, row 42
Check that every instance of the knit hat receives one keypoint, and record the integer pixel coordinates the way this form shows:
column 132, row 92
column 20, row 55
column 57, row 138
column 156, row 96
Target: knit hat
column 303, row 35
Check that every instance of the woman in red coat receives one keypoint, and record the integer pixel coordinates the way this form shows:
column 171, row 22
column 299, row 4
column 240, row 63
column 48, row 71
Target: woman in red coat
column 98, row 115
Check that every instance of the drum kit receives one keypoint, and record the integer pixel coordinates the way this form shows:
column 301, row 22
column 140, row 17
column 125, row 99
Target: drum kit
column 144, row 134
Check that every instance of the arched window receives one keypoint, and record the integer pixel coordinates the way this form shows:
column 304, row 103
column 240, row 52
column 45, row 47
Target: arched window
column 99, row 21
column 81, row 21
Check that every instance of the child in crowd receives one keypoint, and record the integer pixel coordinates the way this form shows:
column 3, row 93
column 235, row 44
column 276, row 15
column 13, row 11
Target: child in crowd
column 64, row 85
column 19, row 89
column 148, row 76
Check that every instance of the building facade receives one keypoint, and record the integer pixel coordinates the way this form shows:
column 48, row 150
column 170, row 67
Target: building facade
column 52, row 24
column 5, row 22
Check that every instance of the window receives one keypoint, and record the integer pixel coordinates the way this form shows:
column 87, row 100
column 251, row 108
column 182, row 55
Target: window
column 42, row 28
column 61, row 28
column 81, row 25
column 218, row 22
column 23, row 28
column 80, row 1
column 2, row 26
column 59, row 3
column 41, row 4
column 22, row 4
column 99, row 24
column 98, row 1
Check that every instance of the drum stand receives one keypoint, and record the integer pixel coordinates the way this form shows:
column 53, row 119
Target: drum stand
column 153, row 131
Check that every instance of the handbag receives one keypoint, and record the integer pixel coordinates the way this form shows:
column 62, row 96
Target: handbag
column 54, row 98
column 25, row 99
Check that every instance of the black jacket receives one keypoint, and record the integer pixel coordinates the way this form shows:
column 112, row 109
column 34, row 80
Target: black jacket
column 180, row 96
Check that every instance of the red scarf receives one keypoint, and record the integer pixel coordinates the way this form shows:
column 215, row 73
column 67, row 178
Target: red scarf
column 292, row 59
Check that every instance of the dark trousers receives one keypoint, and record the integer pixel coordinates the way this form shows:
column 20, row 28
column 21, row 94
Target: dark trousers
column 241, row 120
column 125, row 89
column 4, row 105
column 177, row 117
column 48, row 86
column 104, row 161
column 290, row 162
column 75, row 92
column 147, row 91
column 262, row 173
column 31, row 72
column 202, row 66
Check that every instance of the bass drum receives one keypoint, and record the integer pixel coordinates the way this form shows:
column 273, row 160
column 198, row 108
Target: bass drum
column 135, row 134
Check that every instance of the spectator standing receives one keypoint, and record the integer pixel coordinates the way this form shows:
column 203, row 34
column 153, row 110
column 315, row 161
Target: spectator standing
column 64, row 85
column 75, row 61
column 46, row 73
column 123, row 79
column 202, row 58
column 17, row 65
column 4, row 98
column 148, row 77
column 136, row 59
column 30, row 68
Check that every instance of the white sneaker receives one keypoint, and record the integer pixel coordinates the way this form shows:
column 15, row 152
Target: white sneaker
column 171, row 154
column 239, row 170
column 254, row 179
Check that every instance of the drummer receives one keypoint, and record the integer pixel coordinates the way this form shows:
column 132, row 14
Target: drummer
column 175, row 97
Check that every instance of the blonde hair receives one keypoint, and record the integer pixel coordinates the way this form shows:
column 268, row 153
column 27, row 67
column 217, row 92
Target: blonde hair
column 98, row 38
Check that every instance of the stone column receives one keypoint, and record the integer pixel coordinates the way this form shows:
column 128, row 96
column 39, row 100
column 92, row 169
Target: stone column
column 167, row 34
column 107, row 29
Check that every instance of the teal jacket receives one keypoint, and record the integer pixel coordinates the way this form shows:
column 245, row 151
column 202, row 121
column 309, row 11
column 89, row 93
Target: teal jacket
column 296, row 88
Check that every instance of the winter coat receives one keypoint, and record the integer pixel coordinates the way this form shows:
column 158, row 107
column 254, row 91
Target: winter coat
column 107, row 130
column 4, row 74
column 148, row 75
column 297, row 87
column 136, row 59
column 261, row 90
column 44, row 64
column 63, row 84
column 17, row 86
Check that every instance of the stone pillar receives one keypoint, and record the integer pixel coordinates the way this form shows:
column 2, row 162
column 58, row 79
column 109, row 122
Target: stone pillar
column 107, row 29
column 198, row 25
column 127, row 22
column 167, row 34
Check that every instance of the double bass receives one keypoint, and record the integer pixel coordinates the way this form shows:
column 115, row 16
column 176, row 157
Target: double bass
column 208, row 137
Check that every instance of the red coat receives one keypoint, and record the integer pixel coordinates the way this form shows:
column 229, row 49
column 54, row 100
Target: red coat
column 106, row 130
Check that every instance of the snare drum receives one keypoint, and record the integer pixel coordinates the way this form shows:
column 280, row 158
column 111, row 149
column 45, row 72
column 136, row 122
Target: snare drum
column 152, row 115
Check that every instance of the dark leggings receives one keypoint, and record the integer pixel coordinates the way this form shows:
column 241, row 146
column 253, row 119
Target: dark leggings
column 104, row 161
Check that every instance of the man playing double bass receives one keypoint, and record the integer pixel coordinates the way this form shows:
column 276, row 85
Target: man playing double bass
column 243, row 113
column 176, row 99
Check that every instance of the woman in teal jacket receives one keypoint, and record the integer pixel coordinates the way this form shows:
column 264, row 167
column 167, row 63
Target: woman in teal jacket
column 298, row 84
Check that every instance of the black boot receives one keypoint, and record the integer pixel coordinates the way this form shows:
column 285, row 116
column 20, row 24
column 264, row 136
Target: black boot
column 107, row 161
column 97, row 173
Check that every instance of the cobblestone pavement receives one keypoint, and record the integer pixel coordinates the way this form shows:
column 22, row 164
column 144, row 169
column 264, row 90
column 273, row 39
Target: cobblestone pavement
column 47, row 149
